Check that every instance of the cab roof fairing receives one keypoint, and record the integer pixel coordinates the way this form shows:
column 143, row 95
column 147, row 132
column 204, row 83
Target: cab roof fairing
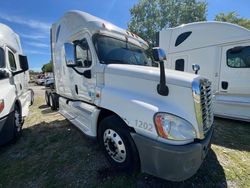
column 9, row 38
column 77, row 21
column 209, row 33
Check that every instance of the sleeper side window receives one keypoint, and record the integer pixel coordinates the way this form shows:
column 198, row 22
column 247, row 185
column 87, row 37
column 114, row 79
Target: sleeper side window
column 2, row 62
column 83, row 54
column 179, row 64
column 182, row 37
column 12, row 61
column 238, row 57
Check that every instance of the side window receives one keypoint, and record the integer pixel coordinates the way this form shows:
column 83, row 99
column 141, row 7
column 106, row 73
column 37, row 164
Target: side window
column 182, row 37
column 12, row 61
column 238, row 57
column 179, row 64
column 2, row 62
column 83, row 54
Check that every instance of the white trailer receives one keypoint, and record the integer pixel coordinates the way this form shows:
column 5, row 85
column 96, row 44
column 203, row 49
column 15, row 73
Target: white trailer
column 222, row 51
column 15, row 96
column 143, row 118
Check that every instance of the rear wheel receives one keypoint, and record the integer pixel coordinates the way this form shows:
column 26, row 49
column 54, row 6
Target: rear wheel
column 47, row 98
column 118, row 145
column 32, row 96
column 53, row 99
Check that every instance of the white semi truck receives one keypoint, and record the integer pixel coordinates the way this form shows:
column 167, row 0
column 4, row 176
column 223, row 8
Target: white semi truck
column 222, row 51
column 145, row 119
column 15, row 96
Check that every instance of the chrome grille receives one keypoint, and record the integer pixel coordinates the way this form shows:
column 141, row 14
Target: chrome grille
column 206, row 104
column 202, row 93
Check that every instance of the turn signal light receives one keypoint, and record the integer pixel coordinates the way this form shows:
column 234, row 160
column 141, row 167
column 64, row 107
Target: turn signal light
column 1, row 105
column 159, row 126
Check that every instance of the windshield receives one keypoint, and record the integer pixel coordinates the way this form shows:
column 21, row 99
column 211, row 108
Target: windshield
column 2, row 64
column 115, row 51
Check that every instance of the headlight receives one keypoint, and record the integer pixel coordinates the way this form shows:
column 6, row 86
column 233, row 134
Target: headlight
column 1, row 105
column 172, row 127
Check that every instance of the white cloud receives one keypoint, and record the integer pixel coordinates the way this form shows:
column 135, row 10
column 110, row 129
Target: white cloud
column 35, row 24
column 34, row 36
column 37, row 44
column 36, row 52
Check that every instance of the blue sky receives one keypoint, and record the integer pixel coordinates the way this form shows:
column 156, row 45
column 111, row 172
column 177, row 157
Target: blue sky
column 32, row 19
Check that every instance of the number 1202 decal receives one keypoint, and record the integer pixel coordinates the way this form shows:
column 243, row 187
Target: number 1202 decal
column 144, row 125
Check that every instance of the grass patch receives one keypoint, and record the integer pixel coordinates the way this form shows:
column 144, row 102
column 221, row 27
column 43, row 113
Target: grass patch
column 53, row 153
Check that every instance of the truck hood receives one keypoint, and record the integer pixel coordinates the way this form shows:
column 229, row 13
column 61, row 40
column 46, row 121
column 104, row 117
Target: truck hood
column 131, row 92
column 177, row 78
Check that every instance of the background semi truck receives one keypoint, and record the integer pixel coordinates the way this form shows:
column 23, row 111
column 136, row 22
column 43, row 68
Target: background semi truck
column 144, row 118
column 15, row 96
column 222, row 51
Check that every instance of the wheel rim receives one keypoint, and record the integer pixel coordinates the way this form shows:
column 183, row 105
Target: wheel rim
column 114, row 145
column 18, row 120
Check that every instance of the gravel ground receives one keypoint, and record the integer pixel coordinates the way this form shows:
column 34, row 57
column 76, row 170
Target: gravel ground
column 38, row 90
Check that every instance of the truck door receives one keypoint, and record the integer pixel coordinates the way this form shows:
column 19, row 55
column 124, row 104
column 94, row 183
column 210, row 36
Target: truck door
column 234, row 88
column 13, row 66
column 84, row 81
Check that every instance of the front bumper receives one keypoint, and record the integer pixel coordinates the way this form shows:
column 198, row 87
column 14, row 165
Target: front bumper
column 171, row 162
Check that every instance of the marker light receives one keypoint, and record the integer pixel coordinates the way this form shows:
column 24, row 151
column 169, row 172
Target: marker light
column 1, row 105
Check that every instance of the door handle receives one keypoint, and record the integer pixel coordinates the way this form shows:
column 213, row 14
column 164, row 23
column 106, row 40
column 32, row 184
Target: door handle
column 224, row 85
column 21, row 87
column 76, row 89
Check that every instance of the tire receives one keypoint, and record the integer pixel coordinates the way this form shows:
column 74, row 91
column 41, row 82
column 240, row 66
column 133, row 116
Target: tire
column 18, row 123
column 47, row 98
column 32, row 97
column 53, row 101
column 118, row 145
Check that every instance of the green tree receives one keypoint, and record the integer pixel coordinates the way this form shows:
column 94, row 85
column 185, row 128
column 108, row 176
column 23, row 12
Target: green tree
column 233, row 17
column 151, row 16
column 47, row 67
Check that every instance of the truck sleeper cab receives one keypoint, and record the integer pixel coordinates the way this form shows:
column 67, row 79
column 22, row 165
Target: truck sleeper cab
column 222, row 50
column 106, row 86
column 15, row 96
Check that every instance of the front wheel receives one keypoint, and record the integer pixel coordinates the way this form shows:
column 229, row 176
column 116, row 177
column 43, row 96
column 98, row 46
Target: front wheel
column 118, row 145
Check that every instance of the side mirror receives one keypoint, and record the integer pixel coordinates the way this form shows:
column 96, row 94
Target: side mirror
column 23, row 63
column 70, row 55
column 196, row 68
column 158, row 54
